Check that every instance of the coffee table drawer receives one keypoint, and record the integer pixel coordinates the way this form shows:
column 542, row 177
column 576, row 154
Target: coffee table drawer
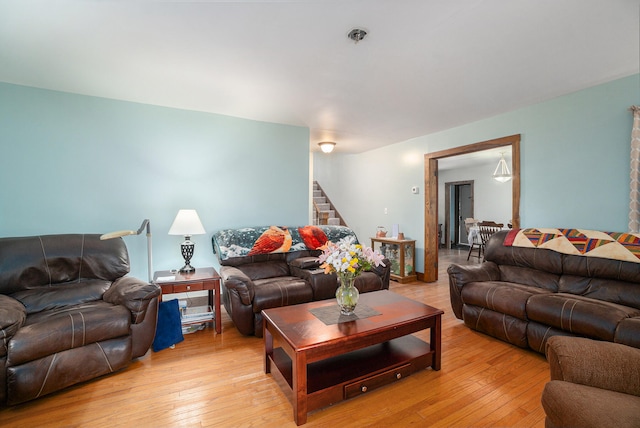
column 373, row 382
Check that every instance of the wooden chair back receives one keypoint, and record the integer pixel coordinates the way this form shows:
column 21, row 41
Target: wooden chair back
column 488, row 228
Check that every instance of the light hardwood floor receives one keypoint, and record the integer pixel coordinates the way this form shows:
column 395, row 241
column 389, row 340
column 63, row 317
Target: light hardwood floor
column 218, row 380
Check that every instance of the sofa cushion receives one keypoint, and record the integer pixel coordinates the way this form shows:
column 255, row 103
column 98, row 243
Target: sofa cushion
column 596, row 319
column 40, row 299
column 575, row 405
column 50, row 259
column 535, row 258
column 502, row 326
column 263, row 270
column 504, row 297
column 56, row 371
column 527, row 276
column 602, row 268
column 628, row 332
column 56, row 330
column 620, row 292
column 539, row 334
column 282, row 291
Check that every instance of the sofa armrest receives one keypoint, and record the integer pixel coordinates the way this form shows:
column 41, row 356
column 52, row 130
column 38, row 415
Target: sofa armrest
column 323, row 285
column 132, row 293
column 234, row 279
column 460, row 275
column 383, row 271
column 305, row 263
column 12, row 316
column 604, row 365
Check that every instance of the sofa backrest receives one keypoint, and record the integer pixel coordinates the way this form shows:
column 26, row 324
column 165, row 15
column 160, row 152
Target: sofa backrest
column 272, row 240
column 47, row 260
column 611, row 280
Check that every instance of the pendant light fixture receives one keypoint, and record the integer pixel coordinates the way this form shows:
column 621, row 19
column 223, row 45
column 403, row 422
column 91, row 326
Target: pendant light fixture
column 502, row 173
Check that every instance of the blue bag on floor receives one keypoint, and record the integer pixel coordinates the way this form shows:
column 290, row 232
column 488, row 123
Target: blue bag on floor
column 169, row 328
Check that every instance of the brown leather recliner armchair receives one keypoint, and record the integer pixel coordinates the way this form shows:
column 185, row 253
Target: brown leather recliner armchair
column 251, row 283
column 593, row 384
column 68, row 313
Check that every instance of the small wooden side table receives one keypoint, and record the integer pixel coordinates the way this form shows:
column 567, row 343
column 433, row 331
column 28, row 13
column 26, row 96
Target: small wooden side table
column 205, row 278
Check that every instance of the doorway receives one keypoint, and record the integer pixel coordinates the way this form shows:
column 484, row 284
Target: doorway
column 459, row 205
column 431, row 194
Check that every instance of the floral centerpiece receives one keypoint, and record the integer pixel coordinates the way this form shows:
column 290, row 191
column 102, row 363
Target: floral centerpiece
column 348, row 260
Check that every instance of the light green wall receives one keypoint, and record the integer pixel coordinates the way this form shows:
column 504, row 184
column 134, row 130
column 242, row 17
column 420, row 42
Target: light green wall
column 574, row 159
column 79, row 164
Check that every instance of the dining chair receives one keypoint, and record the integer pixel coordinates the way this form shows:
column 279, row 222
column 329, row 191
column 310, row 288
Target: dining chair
column 487, row 228
column 474, row 241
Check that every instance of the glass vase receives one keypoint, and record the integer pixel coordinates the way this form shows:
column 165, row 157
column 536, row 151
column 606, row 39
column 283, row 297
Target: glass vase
column 347, row 295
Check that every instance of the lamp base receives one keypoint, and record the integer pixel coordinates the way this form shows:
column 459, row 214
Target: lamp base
column 187, row 252
column 187, row 269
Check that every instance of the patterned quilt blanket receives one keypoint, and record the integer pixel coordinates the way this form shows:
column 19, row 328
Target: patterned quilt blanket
column 250, row 241
column 590, row 243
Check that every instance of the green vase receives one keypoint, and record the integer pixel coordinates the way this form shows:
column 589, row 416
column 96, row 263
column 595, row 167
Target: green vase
column 347, row 295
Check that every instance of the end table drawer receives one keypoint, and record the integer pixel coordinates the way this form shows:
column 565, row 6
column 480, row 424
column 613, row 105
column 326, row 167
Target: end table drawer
column 373, row 382
column 182, row 288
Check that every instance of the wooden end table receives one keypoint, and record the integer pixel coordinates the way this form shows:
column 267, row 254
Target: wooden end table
column 205, row 278
column 326, row 363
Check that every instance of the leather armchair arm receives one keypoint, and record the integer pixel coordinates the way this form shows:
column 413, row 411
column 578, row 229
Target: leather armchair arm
column 12, row 316
column 460, row 275
column 234, row 279
column 132, row 293
column 604, row 365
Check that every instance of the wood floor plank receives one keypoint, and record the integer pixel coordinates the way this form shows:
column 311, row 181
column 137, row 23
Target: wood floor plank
column 217, row 380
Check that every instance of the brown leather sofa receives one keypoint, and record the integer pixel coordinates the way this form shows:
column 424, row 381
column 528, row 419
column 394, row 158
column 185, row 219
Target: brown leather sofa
column 593, row 384
column 251, row 283
column 526, row 295
column 68, row 313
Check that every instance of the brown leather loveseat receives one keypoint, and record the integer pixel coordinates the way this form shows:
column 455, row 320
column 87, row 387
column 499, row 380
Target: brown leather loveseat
column 538, row 283
column 268, row 267
column 68, row 313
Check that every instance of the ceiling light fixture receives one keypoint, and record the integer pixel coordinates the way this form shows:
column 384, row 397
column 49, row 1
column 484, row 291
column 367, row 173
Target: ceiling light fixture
column 502, row 173
column 327, row 146
column 357, row 34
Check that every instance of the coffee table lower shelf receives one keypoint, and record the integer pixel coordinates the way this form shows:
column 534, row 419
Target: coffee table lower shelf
column 355, row 373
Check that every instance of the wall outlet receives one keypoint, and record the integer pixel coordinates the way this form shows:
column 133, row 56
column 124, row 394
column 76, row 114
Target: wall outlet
column 415, row 190
column 385, row 211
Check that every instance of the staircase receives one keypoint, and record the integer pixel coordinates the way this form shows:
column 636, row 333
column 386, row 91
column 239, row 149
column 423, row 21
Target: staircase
column 324, row 212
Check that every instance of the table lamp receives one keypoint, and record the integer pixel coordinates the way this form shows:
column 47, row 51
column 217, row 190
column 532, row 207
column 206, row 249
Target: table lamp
column 121, row 233
column 187, row 223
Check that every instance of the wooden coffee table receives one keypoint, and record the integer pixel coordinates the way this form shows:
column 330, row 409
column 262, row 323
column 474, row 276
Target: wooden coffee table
column 324, row 364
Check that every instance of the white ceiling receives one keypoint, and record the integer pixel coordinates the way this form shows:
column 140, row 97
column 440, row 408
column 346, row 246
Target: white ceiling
column 425, row 66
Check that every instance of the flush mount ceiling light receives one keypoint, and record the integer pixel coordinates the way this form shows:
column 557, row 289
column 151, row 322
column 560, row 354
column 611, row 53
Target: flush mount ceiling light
column 357, row 34
column 327, row 146
column 502, row 173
